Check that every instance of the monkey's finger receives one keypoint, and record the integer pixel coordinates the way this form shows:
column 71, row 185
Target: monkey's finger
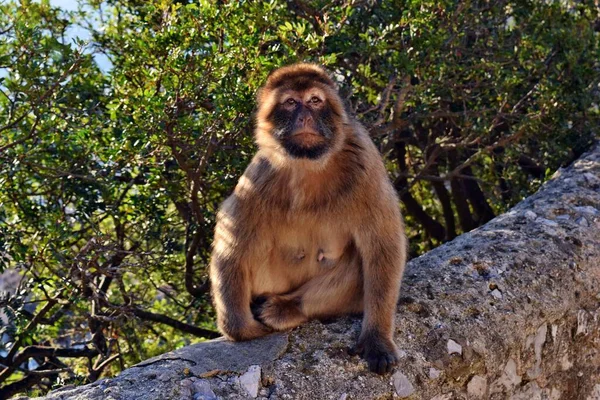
column 256, row 306
column 259, row 300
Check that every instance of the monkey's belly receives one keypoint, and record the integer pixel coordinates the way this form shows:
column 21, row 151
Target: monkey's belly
column 293, row 259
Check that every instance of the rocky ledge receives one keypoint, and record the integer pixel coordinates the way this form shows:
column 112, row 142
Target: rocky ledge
column 507, row 311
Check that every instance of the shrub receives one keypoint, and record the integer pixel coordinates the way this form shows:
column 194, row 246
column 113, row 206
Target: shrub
column 115, row 151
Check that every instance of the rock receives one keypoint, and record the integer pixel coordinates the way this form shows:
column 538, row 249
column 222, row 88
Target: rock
column 344, row 396
column 203, row 391
column 554, row 332
column 250, row 380
column 509, row 378
column 591, row 179
column 185, row 390
column 497, row 294
column 402, row 385
column 434, row 373
column 530, row 215
column 547, row 222
column 595, row 395
column 555, row 394
column 186, row 383
column 224, row 355
column 587, row 210
column 537, row 342
column 531, row 391
column 447, row 396
column 453, row 347
column 565, row 364
column 581, row 221
column 200, row 396
column 582, row 323
column 477, row 387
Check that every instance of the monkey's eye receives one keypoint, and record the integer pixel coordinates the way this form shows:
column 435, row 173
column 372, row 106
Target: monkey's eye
column 290, row 102
column 314, row 100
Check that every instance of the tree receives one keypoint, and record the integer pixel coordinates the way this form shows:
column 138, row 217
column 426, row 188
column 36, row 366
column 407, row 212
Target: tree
column 110, row 178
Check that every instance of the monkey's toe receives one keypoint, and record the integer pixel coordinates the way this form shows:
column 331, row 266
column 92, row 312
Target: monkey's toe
column 240, row 330
column 380, row 356
column 382, row 363
column 280, row 314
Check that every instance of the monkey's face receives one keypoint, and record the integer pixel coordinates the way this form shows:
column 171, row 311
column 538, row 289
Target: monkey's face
column 300, row 114
column 303, row 123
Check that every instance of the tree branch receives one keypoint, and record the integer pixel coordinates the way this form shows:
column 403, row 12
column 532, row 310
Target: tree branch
column 182, row 326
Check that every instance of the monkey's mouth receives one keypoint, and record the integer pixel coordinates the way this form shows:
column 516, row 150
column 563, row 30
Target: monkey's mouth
column 305, row 144
column 307, row 138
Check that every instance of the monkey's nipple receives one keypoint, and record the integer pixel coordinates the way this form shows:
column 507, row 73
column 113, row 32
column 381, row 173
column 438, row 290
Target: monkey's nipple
column 320, row 255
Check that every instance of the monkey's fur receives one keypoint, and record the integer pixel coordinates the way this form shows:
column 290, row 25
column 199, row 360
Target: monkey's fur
column 313, row 228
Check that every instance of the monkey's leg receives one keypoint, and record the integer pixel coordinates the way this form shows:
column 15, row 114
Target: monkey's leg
column 231, row 292
column 337, row 291
column 383, row 265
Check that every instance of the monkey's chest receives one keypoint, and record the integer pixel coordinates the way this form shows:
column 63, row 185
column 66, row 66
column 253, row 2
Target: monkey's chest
column 298, row 253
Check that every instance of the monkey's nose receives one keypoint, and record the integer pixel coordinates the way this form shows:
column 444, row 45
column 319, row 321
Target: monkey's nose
column 306, row 121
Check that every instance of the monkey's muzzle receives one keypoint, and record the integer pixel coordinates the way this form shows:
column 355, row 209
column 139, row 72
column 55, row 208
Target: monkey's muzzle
column 306, row 138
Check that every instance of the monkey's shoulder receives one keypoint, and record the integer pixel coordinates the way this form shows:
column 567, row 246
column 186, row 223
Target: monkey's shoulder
column 360, row 149
column 259, row 186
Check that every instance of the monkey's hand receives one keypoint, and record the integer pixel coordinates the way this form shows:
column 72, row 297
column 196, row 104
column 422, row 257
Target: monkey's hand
column 278, row 312
column 380, row 353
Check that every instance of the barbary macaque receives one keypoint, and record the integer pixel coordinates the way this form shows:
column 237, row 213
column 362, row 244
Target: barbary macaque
column 313, row 228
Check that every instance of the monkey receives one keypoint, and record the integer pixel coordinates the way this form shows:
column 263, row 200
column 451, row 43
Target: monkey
column 313, row 228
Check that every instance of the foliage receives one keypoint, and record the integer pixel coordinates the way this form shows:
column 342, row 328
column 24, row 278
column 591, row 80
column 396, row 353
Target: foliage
column 110, row 177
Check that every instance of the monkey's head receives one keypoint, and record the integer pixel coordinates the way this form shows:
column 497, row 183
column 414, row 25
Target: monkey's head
column 300, row 113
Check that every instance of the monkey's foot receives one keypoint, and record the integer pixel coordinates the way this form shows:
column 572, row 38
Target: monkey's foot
column 278, row 312
column 380, row 353
column 239, row 330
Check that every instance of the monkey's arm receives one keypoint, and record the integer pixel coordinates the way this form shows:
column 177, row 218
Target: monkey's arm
column 382, row 246
column 231, row 278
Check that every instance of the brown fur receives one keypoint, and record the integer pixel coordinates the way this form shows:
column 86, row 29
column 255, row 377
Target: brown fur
column 310, row 238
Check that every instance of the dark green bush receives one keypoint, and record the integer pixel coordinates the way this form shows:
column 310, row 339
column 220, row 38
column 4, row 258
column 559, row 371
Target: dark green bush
column 110, row 175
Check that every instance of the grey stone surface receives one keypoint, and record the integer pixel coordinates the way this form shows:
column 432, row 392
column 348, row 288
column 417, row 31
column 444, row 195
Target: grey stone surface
column 453, row 347
column 434, row 373
column 402, row 385
column 250, row 380
column 541, row 340
column 221, row 354
column 497, row 294
column 203, row 391
column 477, row 387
